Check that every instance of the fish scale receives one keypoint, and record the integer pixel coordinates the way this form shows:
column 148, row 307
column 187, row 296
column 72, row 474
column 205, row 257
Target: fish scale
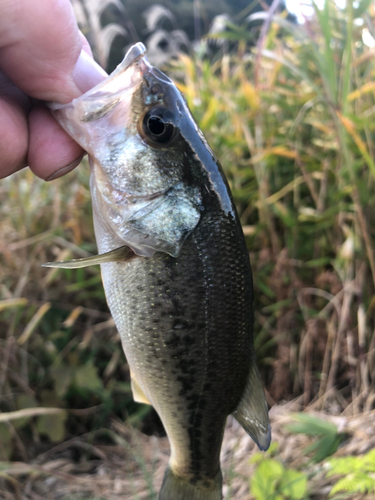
column 175, row 268
column 194, row 344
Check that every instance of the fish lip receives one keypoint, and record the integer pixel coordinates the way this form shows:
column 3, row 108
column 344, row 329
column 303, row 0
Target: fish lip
column 134, row 56
column 159, row 75
column 135, row 53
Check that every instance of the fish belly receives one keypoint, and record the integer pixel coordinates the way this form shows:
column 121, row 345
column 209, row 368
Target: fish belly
column 186, row 329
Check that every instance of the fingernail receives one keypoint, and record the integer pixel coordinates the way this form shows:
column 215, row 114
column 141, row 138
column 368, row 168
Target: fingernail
column 87, row 73
column 64, row 170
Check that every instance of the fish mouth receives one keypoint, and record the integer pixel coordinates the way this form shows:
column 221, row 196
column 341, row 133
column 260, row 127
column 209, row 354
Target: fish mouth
column 135, row 53
column 133, row 69
column 136, row 56
column 127, row 75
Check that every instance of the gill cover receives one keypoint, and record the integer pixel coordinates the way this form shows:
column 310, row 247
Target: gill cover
column 155, row 219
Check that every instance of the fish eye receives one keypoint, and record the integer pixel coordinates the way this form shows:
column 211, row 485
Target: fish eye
column 158, row 127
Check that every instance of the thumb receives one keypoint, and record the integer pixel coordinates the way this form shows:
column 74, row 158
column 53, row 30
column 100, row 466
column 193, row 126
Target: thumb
column 41, row 50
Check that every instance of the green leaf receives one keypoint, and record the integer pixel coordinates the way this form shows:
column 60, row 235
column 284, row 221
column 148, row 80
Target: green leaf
column 24, row 401
column 257, row 458
column 63, row 377
column 324, row 261
column 5, row 443
column 278, row 306
column 329, row 440
column 49, row 399
column 369, row 461
column 355, row 483
column 293, row 484
column 53, row 426
column 139, row 415
column 265, row 289
column 358, row 472
column 86, row 377
column 265, row 478
column 311, row 425
column 324, row 447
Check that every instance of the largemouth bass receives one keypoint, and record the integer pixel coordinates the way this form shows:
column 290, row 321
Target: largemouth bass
column 175, row 268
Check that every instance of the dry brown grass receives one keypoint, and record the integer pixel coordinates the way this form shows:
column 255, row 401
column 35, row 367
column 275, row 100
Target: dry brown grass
column 132, row 466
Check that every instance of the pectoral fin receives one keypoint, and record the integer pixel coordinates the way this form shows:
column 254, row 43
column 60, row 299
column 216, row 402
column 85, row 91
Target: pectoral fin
column 121, row 254
column 252, row 412
column 138, row 394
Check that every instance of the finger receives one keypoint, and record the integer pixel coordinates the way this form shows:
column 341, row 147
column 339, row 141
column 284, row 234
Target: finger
column 85, row 45
column 14, row 106
column 57, row 154
column 52, row 153
column 40, row 50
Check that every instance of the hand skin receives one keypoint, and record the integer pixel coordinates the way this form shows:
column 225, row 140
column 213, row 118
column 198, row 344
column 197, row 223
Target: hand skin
column 43, row 57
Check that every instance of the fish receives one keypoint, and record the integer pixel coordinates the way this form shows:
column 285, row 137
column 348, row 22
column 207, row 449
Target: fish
column 174, row 265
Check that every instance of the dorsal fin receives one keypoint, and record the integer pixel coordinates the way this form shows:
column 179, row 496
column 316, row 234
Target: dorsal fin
column 252, row 412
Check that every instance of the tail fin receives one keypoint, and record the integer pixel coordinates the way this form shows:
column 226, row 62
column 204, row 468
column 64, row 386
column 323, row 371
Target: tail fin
column 252, row 412
column 177, row 488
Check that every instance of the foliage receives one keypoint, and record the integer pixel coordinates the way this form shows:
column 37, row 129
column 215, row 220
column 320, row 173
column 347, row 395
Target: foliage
column 59, row 349
column 296, row 140
column 166, row 27
column 272, row 481
column 328, row 437
column 358, row 472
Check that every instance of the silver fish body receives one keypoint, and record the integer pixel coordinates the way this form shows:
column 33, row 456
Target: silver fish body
column 183, row 302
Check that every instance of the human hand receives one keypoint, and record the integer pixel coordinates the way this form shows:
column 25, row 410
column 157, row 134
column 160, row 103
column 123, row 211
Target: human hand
column 43, row 57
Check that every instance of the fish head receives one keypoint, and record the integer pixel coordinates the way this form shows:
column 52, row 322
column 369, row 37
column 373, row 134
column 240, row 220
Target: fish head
column 151, row 166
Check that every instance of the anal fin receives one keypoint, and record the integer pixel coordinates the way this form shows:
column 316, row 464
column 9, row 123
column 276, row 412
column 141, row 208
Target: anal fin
column 138, row 394
column 252, row 412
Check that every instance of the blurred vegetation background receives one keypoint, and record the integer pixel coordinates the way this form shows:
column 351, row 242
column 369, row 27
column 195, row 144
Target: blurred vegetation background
column 289, row 109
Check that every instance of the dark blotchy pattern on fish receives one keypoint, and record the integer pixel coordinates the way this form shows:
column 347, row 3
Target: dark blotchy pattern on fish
column 189, row 321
